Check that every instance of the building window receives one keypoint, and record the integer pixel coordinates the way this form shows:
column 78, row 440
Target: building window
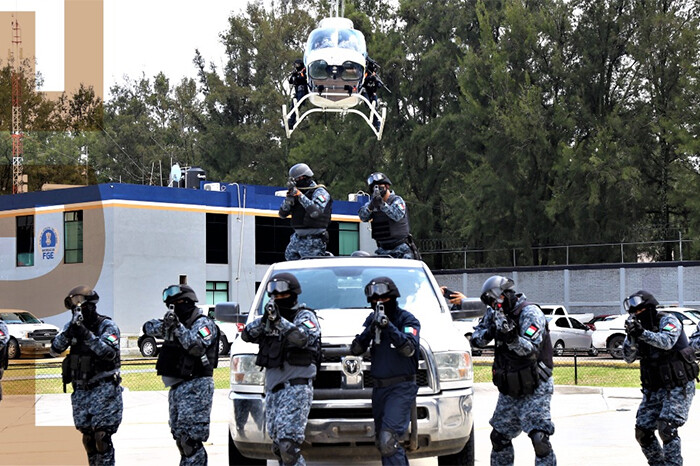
column 348, row 238
column 217, row 239
column 271, row 239
column 73, row 233
column 25, row 240
column 217, row 292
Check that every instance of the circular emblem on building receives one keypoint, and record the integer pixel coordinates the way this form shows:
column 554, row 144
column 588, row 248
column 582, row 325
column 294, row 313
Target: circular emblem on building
column 48, row 238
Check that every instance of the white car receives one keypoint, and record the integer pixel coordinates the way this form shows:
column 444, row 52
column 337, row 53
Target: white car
column 610, row 334
column 28, row 334
column 568, row 333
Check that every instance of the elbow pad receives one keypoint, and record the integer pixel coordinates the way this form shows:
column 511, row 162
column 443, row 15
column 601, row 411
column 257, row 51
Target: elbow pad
column 197, row 349
column 406, row 350
column 297, row 338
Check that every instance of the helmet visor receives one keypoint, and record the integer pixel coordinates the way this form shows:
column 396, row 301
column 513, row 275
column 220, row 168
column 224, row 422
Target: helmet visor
column 632, row 303
column 171, row 291
column 277, row 287
column 377, row 289
column 75, row 300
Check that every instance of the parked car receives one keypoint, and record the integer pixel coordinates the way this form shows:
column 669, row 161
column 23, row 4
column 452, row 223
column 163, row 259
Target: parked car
column 602, row 318
column 28, row 334
column 610, row 334
column 340, row 423
column 569, row 333
column 150, row 346
column 559, row 310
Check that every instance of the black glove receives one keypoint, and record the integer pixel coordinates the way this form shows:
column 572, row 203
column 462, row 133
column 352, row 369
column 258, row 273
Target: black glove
column 170, row 320
column 508, row 330
column 633, row 327
column 376, row 203
column 79, row 332
column 356, row 348
column 271, row 312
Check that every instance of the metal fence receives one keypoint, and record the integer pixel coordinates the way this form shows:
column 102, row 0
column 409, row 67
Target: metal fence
column 44, row 376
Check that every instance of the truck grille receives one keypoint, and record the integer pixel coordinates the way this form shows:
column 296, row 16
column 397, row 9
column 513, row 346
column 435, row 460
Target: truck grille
column 42, row 335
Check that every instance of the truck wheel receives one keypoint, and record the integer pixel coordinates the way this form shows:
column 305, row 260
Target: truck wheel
column 13, row 351
column 615, row 346
column 223, row 345
column 464, row 457
column 148, row 347
column 235, row 457
column 558, row 348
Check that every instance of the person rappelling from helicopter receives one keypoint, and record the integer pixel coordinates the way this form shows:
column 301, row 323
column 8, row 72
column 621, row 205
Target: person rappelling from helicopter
column 300, row 86
column 370, row 85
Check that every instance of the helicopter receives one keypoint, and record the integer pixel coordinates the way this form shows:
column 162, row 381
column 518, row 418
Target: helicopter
column 335, row 58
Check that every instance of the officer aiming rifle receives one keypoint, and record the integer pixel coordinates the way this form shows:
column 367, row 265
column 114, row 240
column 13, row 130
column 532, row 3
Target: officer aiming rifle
column 380, row 321
column 272, row 313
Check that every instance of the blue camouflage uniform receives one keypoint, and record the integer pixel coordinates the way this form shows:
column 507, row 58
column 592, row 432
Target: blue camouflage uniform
column 390, row 226
column 97, row 393
column 194, row 344
column 523, row 406
column 288, row 379
column 4, row 338
column 666, row 397
column 394, row 368
column 311, row 215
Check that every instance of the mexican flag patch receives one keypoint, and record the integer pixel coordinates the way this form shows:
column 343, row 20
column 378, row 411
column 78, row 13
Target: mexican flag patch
column 531, row 330
column 308, row 324
column 205, row 332
column 322, row 198
column 669, row 328
column 112, row 338
column 2, row 334
column 410, row 330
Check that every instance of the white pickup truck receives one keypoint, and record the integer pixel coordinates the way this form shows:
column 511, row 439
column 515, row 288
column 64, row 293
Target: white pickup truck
column 340, row 424
column 559, row 310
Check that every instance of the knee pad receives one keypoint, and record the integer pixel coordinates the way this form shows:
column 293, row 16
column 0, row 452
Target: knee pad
column 89, row 442
column 667, row 430
column 645, row 437
column 289, row 451
column 188, row 446
column 499, row 441
column 103, row 441
column 540, row 441
column 388, row 442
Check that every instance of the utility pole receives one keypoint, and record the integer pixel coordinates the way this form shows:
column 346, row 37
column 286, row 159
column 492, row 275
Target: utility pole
column 18, row 178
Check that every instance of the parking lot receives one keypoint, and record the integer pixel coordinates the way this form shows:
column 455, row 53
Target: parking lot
column 594, row 426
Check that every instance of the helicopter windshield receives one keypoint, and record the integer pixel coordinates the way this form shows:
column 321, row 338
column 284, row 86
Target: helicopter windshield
column 337, row 38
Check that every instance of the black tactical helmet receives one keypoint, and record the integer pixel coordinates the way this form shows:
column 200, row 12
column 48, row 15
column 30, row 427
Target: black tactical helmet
column 298, row 64
column 381, row 287
column 283, row 282
column 299, row 170
column 377, row 177
column 79, row 295
column 639, row 300
column 176, row 292
column 493, row 288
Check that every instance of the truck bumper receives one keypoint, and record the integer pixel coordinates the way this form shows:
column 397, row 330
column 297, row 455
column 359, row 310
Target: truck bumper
column 345, row 428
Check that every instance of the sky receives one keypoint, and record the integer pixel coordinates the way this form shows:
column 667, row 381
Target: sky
column 141, row 37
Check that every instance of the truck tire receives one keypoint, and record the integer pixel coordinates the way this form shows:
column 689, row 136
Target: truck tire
column 13, row 350
column 615, row 346
column 235, row 457
column 464, row 457
column 224, row 345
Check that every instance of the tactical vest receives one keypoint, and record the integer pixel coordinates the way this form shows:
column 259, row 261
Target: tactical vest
column 386, row 232
column 274, row 352
column 4, row 358
column 302, row 219
column 517, row 375
column 667, row 368
column 82, row 364
column 176, row 361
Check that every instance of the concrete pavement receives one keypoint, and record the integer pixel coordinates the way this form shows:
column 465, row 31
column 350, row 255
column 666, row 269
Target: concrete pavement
column 593, row 426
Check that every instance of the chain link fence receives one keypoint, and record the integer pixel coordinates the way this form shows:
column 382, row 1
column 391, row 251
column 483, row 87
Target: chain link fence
column 44, row 376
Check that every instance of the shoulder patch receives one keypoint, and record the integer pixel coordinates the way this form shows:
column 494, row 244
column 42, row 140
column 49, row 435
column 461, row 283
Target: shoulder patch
column 112, row 338
column 531, row 330
column 408, row 329
column 2, row 334
column 205, row 332
column 308, row 323
column 670, row 328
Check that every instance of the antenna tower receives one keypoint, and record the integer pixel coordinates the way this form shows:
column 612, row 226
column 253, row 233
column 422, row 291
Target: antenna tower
column 16, row 77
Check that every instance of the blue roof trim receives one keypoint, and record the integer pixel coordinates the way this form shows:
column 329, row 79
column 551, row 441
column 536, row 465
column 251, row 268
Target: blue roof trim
column 251, row 197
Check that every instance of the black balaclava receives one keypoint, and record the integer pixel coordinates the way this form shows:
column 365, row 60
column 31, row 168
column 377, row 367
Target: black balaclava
column 390, row 308
column 304, row 182
column 184, row 310
column 648, row 317
column 510, row 299
column 286, row 306
column 89, row 311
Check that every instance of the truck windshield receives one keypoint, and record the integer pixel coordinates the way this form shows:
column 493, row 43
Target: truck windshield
column 343, row 287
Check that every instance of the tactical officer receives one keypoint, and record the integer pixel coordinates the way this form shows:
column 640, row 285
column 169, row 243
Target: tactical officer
column 186, row 364
column 522, row 370
column 395, row 337
column 370, row 85
column 387, row 211
column 667, row 370
column 290, row 346
column 310, row 206
column 300, row 84
column 93, row 368
column 4, row 338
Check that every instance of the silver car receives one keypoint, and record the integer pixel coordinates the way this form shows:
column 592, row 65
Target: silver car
column 568, row 333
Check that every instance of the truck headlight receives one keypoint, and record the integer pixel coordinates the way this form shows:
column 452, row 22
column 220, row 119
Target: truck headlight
column 245, row 372
column 454, row 366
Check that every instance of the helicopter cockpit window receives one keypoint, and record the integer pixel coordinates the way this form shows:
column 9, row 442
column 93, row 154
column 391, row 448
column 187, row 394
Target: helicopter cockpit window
column 322, row 38
column 318, row 69
column 351, row 71
column 351, row 39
